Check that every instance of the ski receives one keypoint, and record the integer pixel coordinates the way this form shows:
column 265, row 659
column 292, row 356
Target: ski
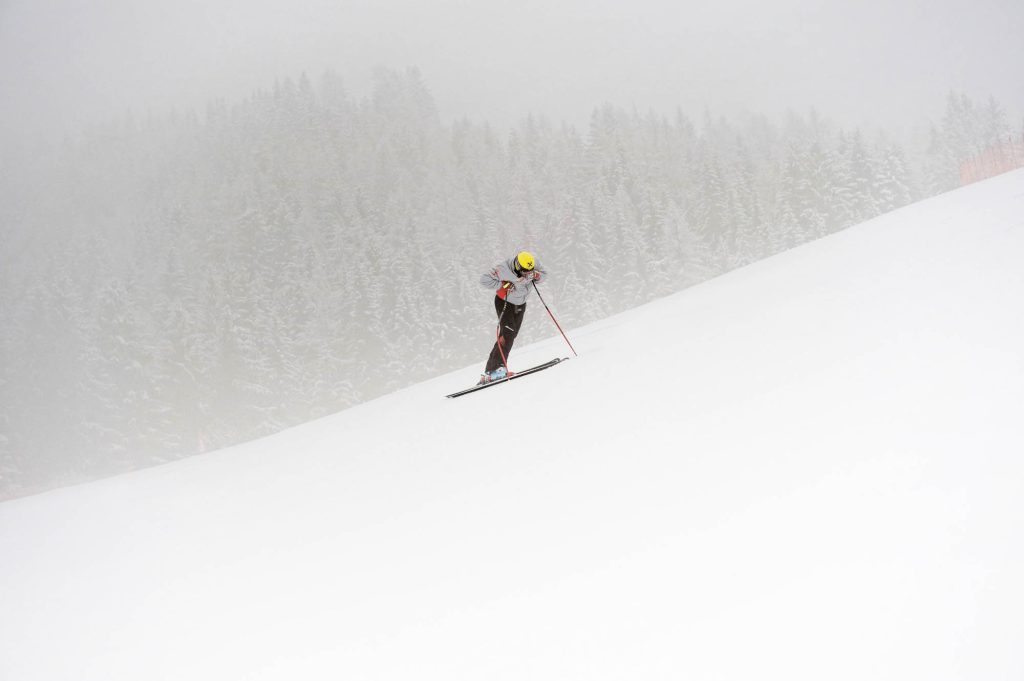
column 524, row 372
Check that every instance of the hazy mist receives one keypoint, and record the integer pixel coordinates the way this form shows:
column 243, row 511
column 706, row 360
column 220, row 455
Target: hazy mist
column 220, row 219
column 67, row 64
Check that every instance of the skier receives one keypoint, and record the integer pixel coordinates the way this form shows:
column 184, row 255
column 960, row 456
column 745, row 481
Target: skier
column 511, row 281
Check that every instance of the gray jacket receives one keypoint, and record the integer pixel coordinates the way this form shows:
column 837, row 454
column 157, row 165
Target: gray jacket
column 502, row 272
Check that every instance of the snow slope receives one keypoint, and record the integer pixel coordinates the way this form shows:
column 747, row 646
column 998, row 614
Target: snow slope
column 810, row 468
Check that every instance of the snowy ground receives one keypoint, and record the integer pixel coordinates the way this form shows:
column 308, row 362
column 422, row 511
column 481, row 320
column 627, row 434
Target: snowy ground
column 810, row 468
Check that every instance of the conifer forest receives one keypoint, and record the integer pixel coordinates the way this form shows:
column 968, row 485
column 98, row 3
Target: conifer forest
column 175, row 283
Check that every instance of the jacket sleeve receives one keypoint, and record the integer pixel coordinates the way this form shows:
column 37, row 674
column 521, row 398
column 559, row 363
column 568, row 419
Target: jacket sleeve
column 491, row 279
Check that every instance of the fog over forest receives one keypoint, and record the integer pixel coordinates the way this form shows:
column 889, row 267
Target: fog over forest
column 183, row 267
column 65, row 65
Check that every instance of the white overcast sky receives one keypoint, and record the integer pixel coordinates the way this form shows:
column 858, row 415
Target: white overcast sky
column 65, row 64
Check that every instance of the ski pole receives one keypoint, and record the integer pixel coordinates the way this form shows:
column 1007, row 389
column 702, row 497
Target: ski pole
column 553, row 318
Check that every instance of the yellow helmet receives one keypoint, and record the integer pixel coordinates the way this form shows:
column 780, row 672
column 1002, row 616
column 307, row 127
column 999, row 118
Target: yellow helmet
column 524, row 260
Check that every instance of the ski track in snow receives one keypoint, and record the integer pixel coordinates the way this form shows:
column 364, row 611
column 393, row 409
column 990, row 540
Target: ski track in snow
column 807, row 468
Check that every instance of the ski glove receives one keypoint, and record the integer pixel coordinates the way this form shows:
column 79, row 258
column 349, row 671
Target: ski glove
column 507, row 285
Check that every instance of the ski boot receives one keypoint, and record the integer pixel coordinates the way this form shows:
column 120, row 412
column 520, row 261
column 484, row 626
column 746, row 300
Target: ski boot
column 495, row 375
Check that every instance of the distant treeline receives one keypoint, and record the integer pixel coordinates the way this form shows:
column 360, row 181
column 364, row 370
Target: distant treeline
column 177, row 284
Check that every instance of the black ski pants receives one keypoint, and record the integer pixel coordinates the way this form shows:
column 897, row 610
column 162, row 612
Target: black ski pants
column 510, row 318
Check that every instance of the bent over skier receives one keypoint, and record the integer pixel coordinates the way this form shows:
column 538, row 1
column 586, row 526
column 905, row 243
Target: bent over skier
column 511, row 282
